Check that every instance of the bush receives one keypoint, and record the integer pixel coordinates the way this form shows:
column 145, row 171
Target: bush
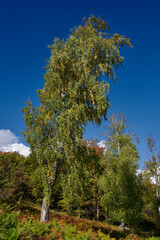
column 32, row 229
column 70, row 232
column 15, row 185
column 8, row 226
column 103, row 236
column 133, row 237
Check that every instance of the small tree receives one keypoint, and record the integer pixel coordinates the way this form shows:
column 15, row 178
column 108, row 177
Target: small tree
column 74, row 93
column 122, row 199
column 153, row 166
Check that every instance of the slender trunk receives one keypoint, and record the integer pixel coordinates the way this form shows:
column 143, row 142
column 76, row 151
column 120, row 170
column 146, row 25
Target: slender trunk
column 98, row 212
column 106, row 217
column 157, row 191
column 45, row 210
column 158, row 198
column 45, row 202
column 53, row 176
column 118, row 144
column 159, row 206
column 79, row 212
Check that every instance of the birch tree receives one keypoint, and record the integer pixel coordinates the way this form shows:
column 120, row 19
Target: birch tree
column 75, row 92
column 153, row 166
column 121, row 186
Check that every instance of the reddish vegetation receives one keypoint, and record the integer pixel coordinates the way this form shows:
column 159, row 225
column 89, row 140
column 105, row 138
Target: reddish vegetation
column 62, row 218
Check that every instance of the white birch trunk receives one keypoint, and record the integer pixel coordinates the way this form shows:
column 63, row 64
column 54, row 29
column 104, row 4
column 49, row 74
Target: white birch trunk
column 98, row 212
column 45, row 202
column 157, row 190
column 45, row 210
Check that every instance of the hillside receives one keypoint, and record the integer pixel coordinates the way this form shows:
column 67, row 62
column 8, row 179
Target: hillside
column 22, row 222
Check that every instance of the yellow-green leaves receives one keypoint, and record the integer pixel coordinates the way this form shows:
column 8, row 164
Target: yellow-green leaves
column 75, row 91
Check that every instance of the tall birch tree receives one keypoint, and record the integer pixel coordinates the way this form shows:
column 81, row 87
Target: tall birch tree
column 75, row 93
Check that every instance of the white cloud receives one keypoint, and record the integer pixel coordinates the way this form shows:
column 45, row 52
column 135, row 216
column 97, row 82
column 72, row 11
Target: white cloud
column 7, row 137
column 17, row 147
column 9, row 143
column 102, row 144
column 152, row 179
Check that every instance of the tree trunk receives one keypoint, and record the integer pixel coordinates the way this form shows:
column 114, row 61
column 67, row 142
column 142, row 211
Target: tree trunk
column 45, row 202
column 98, row 212
column 45, row 210
column 106, row 217
column 158, row 191
column 159, row 206
column 79, row 212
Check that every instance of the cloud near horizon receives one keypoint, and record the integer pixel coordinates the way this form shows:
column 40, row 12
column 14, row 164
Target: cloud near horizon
column 102, row 144
column 9, row 143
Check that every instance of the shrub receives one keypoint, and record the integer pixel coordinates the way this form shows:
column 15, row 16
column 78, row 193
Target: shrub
column 8, row 226
column 103, row 236
column 133, row 237
column 85, row 235
column 70, row 232
column 15, row 185
column 32, row 229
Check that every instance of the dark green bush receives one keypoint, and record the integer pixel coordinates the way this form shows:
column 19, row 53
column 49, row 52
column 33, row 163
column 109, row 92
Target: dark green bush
column 8, row 226
column 15, row 185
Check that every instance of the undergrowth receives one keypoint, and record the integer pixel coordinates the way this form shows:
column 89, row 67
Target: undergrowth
column 19, row 225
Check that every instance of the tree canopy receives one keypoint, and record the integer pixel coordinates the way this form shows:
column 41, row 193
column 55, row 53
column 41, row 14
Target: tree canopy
column 75, row 93
column 121, row 186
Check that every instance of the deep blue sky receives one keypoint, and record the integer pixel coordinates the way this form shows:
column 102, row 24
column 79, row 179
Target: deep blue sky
column 27, row 27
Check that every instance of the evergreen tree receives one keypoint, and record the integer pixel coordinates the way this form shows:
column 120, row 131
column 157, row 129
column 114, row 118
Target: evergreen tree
column 74, row 93
column 122, row 199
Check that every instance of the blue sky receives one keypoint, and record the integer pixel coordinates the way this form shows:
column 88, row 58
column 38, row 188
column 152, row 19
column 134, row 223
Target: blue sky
column 27, row 27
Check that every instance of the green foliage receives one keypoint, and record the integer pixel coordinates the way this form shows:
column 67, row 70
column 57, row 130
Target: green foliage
column 37, row 185
column 14, row 183
column 149, row 214
column 75, row 93
column 78, row 182
column 153, row 170
column 153, row 163
column 104, row 236
column 68, row 229
column 30, row 164
column 70, row 232
column 120, row 184
column 152, row 238
column 33, row 229
column 8, row 226
column 19, row 178
column 24, row 230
